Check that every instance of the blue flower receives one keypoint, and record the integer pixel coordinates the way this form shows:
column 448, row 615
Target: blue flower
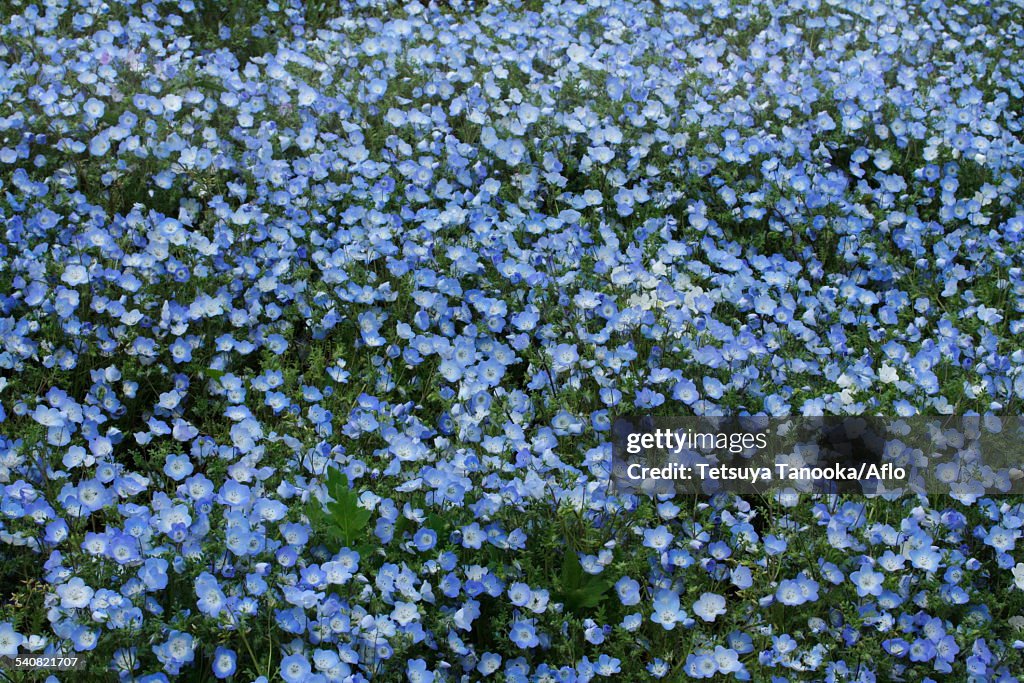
column 519, row 594
column 294, row 668
column 658, row 668
column 178, row 466
column 658, row 538
column 523, row 634
column 425, row 539
column 741, row 577
column 867, row 581
column 489, row 663
column 416, row 671
column 628, row 591
column 701, row 666
column 666, row 609
column 10, row 640
column 225, row 662
column 607, row 666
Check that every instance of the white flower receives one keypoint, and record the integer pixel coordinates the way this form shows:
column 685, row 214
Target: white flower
column 75, row 275
column 171, row 102
column 888, row 374
column 1018, row 575
column 577, row 53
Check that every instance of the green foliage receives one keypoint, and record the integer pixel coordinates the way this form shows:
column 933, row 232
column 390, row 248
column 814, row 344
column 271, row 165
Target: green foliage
column 343, row 520
column 577, row 589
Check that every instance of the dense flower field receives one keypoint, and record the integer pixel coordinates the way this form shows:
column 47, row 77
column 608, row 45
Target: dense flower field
column 314, row 319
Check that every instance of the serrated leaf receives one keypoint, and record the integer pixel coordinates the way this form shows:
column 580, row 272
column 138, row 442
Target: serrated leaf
column 584, row 599
column 346, row 518
column 580, row 590
column 314, row 512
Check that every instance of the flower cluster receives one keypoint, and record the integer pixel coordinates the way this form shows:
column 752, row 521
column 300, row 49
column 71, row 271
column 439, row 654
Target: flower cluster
column 313, row 328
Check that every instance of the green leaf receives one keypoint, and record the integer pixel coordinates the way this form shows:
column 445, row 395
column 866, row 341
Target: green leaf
column 314, row 512
column 403, row 525
column 346, row 519
column 584, row 599
column 572, row 571
column 440, row 525
column 579, row 590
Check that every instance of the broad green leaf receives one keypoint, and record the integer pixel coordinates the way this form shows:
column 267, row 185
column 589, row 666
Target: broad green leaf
column 341, row 519
column 346, row 518
column 580, row 590
column 440, row 525
column 572, row 571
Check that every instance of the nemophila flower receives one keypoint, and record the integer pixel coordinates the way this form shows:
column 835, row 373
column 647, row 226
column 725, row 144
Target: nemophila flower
column 867, row 581
column 294, row 668
column 211, row 598
column 489, row 663
column 10, row 640
column 519, row 594
column 727, row 660
column 154, row 573
column 299, row 237
column 897, row 647
column 425, row 539
column 607, row 666
column 658, row 668
column 628, row 591
column 234, row 493
column 178, row 466
column 1018, row 575
column 225, row 662
column 831, row 572
column 667, row 609
column 741, row 577
column 891, row 562
column 789, row 593
column 658, row 538
column 701, row 666
column 593, row 633
column 56, row 531
column 74, row 594
column 564, row 357
column 632, row 622
column 176, row 651
column 1001, row 539
column 123, row 549
column 539, row 600
column 472, row 536
column 524, row 634
column 925, row 558
column 774, row 545
column 84, row 639
column 709, row 606
column 467, row 613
